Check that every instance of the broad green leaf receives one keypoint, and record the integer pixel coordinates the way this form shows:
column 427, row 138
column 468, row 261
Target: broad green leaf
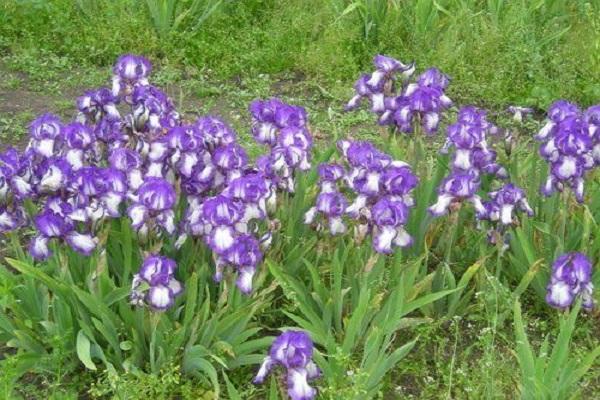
column 83, row 351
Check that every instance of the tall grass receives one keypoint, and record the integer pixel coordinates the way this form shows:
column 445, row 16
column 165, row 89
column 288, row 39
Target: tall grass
column 527, row 52
column 173, row 15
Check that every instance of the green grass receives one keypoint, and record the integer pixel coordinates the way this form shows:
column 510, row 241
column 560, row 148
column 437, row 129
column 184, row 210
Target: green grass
column 497, row 52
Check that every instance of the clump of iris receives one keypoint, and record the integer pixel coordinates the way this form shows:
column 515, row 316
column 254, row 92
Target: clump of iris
column 370, row 188
column 397, row 101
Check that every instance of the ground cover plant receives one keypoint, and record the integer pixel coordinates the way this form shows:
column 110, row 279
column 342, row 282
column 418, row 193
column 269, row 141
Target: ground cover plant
column 143, row 243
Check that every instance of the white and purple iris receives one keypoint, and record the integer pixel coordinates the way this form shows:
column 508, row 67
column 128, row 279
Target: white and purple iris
column 128, row 72
column 571, row 278
column 456, row 188
column 284, row 128
column 293, row 351
column 468, row 138
column 152, row 207
column 224, row 221
column 519, row 112
column 472, row 157
column 500, row 211
column 155, row 284
column 571, row 145
column 383, row 195
column 399, row 103
column 58, row 225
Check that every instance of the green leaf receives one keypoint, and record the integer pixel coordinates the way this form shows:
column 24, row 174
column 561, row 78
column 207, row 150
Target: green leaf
column 232, row 392
column 84, row 351
column 524, row 353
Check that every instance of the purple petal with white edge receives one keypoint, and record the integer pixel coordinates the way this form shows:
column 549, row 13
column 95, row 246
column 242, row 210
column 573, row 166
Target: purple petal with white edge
column 166, row 220
column 431, row 121
column 157, row 194
column 176, row 287
column 137, row 213
column 52, row 225
column 359, row 203
column 8, row 221
column 78, row 136
column 559, row 295
column 159, row 297
column 264, row 370
column 402, row 239
column 441, row 206
column 387, row 64
column 82, row 243
column 46, row 126
column 587, row 297
column 383, row 238
column 312, row 370
column 378, row 103
column 298, row 387
column 244, row 280
column 38, row 248
column 221, row 239
column 582, row 267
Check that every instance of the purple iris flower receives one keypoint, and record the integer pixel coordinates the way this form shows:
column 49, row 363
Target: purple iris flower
column 115, row 190
column 129, row 71
column 390, row 214
column 405, row 105
column 284, row 127
column 54, row 174
column 293, row 351
column 155, row 283
column 153, row 111
column 231, row 159
column 468, row 139
column 12, row 218
column 244, row 255
column 215, row 132
column 129, row 162
column 94, row 105
column 571, row 277
column 52, row 225
column 568, row 147
column 505, row 201
column 383, row 195
column 154, row 204
column 332, row 205
column 519, row 112
column 457, row 187
column 46, row 135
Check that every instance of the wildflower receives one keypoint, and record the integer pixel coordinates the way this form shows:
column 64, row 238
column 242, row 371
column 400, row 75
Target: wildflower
column 284, row 128
column 504, row 202
column 500, row 210
column 96, row 105
column 154, row 204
